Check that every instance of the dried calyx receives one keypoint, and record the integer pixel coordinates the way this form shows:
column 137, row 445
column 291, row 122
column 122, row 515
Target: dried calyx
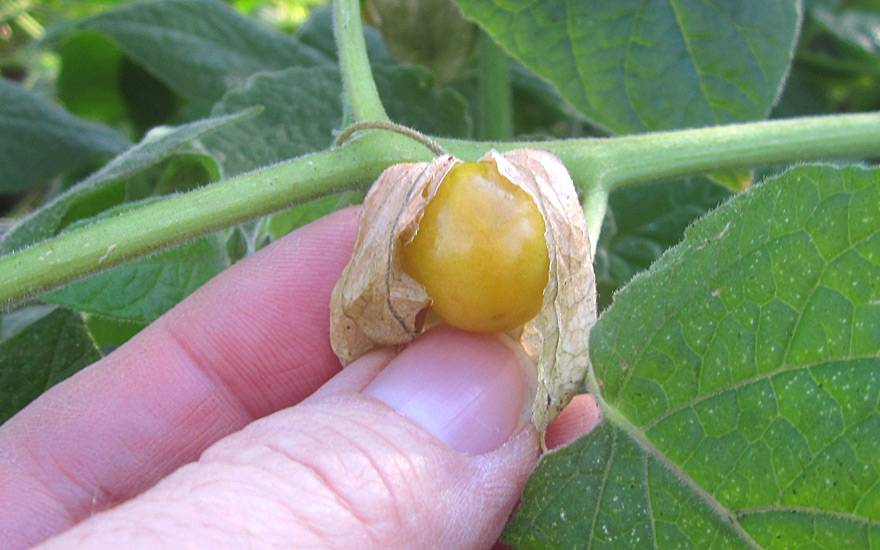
column 494, row 246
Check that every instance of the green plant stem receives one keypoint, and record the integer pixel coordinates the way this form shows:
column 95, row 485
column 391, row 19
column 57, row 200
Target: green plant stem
column 495, row 108
column 414, row 135
column 354, row 64
column 597, row 165
column 644, row 158
column 184, row 217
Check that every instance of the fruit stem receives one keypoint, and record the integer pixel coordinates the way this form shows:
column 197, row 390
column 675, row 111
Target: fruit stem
column 415, row 135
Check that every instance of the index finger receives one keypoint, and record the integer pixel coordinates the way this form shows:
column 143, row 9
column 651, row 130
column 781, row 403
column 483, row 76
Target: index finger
column 254, row 340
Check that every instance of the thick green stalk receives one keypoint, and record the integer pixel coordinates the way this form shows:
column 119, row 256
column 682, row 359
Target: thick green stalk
column 357, row 76
column 596, row 165
column 184, row 217
column 643, row 158
column 495, row 109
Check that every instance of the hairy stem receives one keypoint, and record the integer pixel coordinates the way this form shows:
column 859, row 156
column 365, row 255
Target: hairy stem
column 181, row 218
column 495, row 110
column 664, row 155
column 357, row 77
column 386, row 126
column 597, row 165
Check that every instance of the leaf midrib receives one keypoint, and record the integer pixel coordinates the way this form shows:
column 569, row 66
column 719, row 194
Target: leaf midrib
column 617, row 418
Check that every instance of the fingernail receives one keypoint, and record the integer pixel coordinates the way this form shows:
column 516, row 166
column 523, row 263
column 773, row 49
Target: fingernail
column 470, row 390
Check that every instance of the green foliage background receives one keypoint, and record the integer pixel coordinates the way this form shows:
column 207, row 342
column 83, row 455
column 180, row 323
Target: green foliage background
column 737, row 359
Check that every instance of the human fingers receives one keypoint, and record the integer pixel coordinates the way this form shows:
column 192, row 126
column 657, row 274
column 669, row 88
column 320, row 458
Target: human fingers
column 252, row 341
column 431, row 452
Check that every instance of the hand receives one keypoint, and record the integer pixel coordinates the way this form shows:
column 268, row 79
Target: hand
column 227, row 424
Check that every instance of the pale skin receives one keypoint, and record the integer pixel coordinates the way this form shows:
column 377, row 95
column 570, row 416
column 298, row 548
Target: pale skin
column 228, row 424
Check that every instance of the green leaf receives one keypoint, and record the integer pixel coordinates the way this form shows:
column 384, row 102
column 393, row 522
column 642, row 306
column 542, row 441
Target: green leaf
column 97, row 81
column 282, row 223
column 39, row 140
column 141, row 291
column 108, row 186
column 411, row 99
column 607, row 491
column 642, row 222
column 200, row 48
column 109, row 334
column 740, row 382
column 17, row 320
column 837, row 66
column 640, row 65
column 88, row 80
column 302, row 108
column 41, row 355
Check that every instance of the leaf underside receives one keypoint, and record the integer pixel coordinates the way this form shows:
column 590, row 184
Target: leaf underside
column 39, row 140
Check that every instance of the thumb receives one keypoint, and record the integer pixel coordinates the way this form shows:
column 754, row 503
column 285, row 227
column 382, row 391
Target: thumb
column 426, row 449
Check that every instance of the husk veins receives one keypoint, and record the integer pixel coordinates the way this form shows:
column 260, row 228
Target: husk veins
column 376, row 304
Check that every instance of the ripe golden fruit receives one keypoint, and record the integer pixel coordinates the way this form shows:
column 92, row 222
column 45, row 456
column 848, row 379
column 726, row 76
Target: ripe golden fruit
column 480, row 251
column 496, row 245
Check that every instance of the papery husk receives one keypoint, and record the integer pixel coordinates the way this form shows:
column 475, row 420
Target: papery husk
column 375, row 303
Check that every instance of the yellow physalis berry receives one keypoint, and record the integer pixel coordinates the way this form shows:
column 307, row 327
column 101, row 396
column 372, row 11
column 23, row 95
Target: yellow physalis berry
column 498, row 245
column 480, row 251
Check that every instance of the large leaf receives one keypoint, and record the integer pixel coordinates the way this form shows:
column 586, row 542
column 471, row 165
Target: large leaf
column 39, row 140
column 141, row 291
column 41, row 355
column 740, row 385
column 199, row 48
column 108, row 186
column 642, row 222
column 301, row 108
column 635, row 65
